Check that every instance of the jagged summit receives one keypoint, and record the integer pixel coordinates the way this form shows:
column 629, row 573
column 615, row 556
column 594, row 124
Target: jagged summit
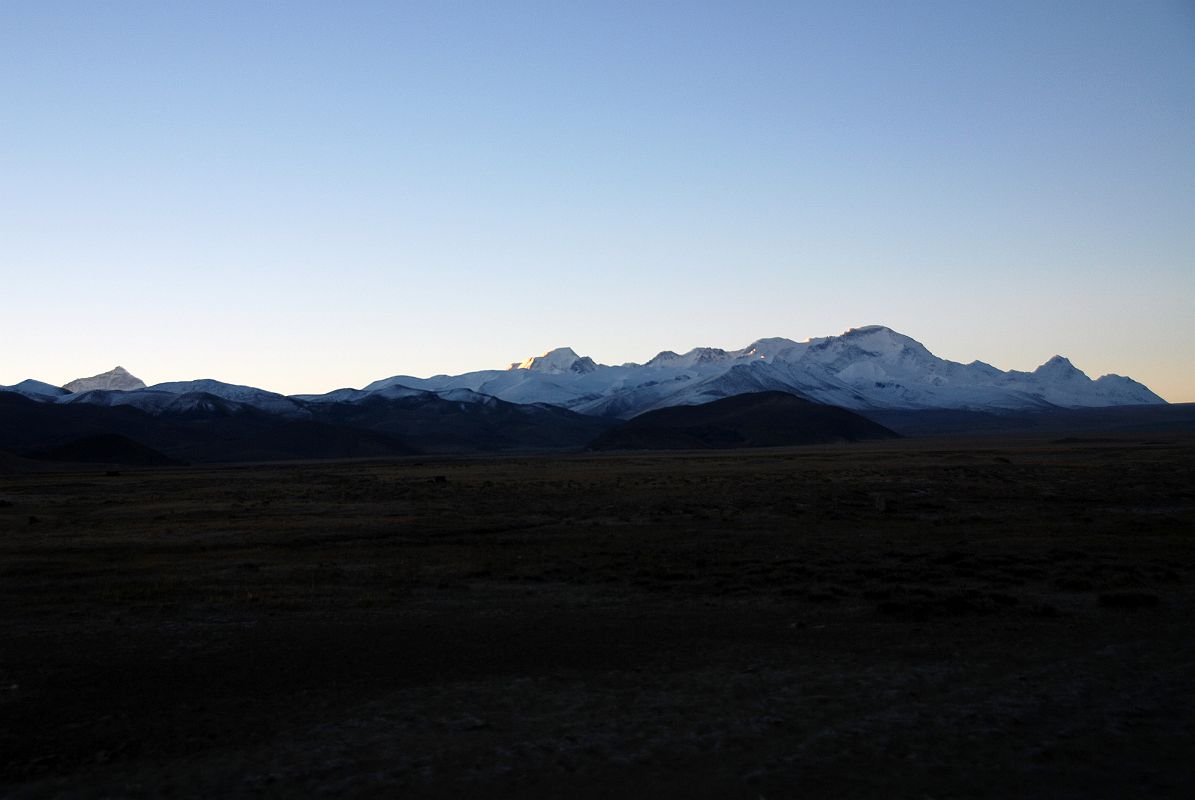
column 696, row 357
column 1056, row 365
column 117, row 379
column 767, row 349
column 560, row 360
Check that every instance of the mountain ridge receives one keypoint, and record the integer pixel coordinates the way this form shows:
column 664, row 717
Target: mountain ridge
column 867, row 368
column 870, row 367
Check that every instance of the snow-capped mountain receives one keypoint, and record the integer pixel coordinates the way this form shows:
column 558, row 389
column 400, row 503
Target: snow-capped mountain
column 114, row 380
column 872, row 367
column 245, row 395
column 558, row 361
column 184, row 397
column 37, row 390
column 865, row 368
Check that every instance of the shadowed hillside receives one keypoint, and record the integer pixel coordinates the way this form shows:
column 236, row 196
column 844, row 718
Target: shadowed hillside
column 761, row 419
column 201, row 427
column 222, row 433
column 103, row 448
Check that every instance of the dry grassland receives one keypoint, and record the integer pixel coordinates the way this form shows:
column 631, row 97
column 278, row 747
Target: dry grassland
column 916, row 618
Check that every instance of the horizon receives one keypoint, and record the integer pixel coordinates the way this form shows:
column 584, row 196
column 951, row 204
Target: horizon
column 517, row 364
column 303, row 198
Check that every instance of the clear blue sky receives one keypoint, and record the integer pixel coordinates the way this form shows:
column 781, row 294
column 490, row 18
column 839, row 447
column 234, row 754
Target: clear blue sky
column 303, row 196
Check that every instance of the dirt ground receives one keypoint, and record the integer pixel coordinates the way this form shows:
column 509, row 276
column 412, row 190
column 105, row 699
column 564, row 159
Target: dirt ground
column 914, row 619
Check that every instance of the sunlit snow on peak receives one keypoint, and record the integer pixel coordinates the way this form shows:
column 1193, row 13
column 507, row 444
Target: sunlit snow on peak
column 562, row 359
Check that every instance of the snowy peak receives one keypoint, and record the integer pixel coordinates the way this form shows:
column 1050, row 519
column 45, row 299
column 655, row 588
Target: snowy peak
column 1126, row 390
column 767, row 349
column 35, row 389
column 560, row 360
column 868, row 330
column 759, row 350
column 873, row 354
column 707, row 355
column 881, row 341
column 1058, row 367
column 697, row 357
column 117, row 379
column 665, row 358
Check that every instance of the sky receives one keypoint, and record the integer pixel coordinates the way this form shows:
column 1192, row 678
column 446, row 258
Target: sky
column 304, row 196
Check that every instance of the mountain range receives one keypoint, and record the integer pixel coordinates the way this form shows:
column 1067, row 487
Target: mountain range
column 865, row 368
column 562, row 400
column 872, row 367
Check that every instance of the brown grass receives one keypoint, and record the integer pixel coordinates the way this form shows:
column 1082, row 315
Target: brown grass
column 934, row 618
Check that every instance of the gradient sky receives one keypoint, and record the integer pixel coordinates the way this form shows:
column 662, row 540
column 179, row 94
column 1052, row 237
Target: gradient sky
column 303, row 196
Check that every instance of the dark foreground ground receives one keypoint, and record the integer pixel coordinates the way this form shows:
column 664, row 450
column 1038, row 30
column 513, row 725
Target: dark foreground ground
column 917, row 618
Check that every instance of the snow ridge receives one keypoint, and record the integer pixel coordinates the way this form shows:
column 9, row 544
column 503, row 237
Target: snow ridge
column 871, row 367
